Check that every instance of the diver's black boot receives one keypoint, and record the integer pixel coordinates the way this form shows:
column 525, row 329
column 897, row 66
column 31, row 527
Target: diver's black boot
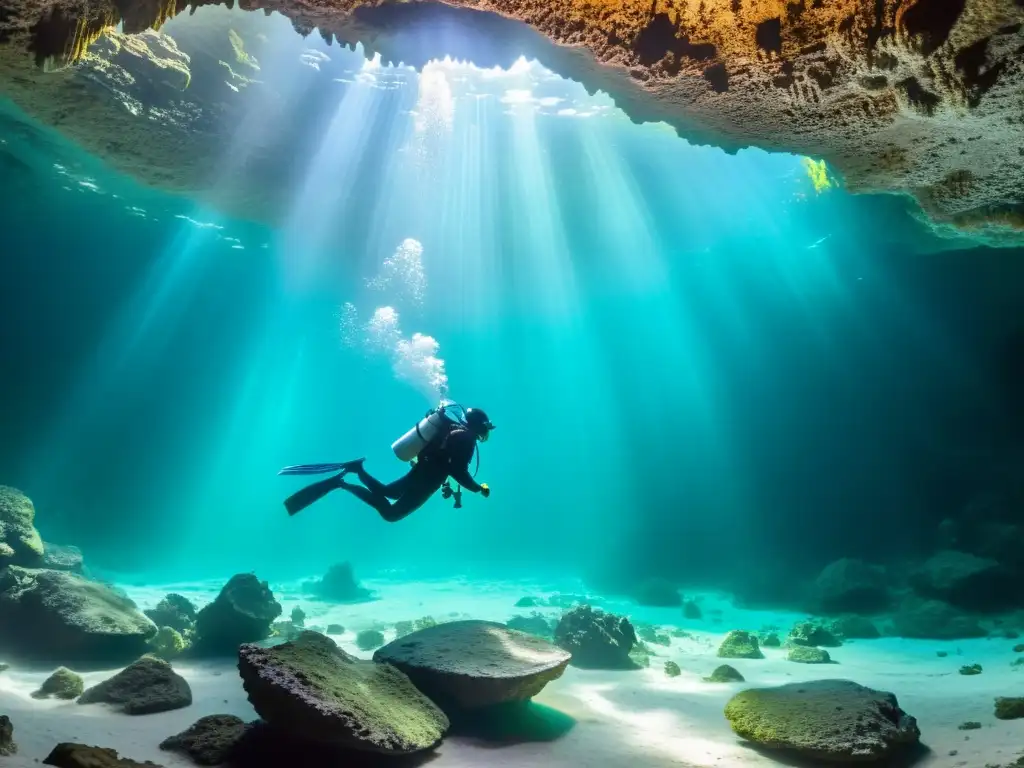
column 352, row 466
column 301, row 499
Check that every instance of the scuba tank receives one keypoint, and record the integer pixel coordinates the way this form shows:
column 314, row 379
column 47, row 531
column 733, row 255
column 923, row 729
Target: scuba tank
column 438, row 420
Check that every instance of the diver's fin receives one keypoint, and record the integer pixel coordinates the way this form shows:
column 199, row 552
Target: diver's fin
column 301, row 499
column 322, row 469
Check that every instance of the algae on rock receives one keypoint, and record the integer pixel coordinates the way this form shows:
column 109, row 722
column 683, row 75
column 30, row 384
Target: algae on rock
column 740, row 644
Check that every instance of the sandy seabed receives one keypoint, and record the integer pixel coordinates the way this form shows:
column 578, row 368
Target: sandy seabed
column 634, row 718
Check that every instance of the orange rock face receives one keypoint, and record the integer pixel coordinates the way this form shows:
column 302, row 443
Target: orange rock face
column 925, row 97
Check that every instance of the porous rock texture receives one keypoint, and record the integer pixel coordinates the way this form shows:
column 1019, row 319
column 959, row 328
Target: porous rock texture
column 596, row 640
column 208, row 741
column 828, row 720
column 68, row 755
column 58, row 615
column 472, row 664
column 144, row 688
column 20, row 543
column 7, row 745
column 313, row 690
column 915, row 96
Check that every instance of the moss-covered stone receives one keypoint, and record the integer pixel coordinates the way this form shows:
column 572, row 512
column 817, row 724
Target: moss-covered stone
column 20, row 543
column 339, row 585
column 672, row 669
column 298, row 617
column 810, row 633
column 691, row 610
column 209, row 741
column 970, row 669
column 62, row 684
column 596, row 640
column 316, row 692
column 174, row 611
column 823, row 720
column 527, row 602
column 534, row 624
column 168, row 644
column 724, row 674
column 854, row 628
column 969, row 725
column 336, row 629
column 650, row 634
column 1010, row 707
column 243, row 612
column 369, row 639
column 739, row 644
column 424, row 623
column 804, row 654
column 1018, row 648
column 146, row 687
column 771, row 640
column 7, row 744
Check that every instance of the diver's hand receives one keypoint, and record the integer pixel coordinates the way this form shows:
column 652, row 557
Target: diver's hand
column 485, row 490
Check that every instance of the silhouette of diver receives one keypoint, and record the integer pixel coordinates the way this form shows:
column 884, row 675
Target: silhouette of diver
column 442, row 448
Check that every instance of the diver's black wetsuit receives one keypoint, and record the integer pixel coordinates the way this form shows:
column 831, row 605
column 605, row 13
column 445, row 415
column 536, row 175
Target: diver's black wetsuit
column 449, row 458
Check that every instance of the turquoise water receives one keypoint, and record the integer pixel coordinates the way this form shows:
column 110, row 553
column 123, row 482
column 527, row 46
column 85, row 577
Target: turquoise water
column 700, row 366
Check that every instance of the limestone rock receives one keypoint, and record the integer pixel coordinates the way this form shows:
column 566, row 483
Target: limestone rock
column 770, row 640
column 174, row 611
column 7, row 745
column 20, row 543
column 812, row 634
column 315, row 691
column 472, row 664
column 828, row 720
column 851, row 586
column 596, row 640
column 339, row 585
column 63, row 616
column 62, row 684
column 672, row 669
column 62, row 558
column 965, row 581
column 740, row 645
column 724, row 674
column 67, row 755
column 209, row 741
column 934, row 620
column 1009, row 708
column 809, row 655
column 243, row 612
column 146, row 687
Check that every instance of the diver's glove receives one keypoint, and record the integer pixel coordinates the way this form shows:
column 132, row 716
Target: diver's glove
column 485, row 490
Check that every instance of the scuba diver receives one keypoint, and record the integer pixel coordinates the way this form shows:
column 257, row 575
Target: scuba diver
column 440, row 446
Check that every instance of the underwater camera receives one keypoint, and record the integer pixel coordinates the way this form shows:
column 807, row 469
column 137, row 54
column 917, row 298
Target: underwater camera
column 448, row 493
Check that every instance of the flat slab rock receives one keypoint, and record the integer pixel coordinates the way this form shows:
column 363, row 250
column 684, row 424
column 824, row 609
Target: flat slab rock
column 831, row 720
column 67, row 755
column 146, row 687
column 313, row 690
column 472, row 664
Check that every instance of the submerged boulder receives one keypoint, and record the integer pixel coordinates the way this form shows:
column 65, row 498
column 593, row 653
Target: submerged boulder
column 965, row 581
column 7, row 745
column 826, row 720
column 851, row 586
column 804, row 654
column 810, row 633
column 20, row 543
column 62, row 558
column 243, row 612
column 740, row 645
column 596, row 640
column 339, row 585
column 57, row 615
column 208, row 741
column 934, row 620
column 174, row 611
column 369, row 639
column 724, row 674
column 62, row 684
column 658, row 593
column 472, row 664
column 146, row 687
column 67, row 755
column 315, row 691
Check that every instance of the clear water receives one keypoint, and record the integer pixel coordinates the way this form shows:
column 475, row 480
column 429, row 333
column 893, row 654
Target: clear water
column 701, row 366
